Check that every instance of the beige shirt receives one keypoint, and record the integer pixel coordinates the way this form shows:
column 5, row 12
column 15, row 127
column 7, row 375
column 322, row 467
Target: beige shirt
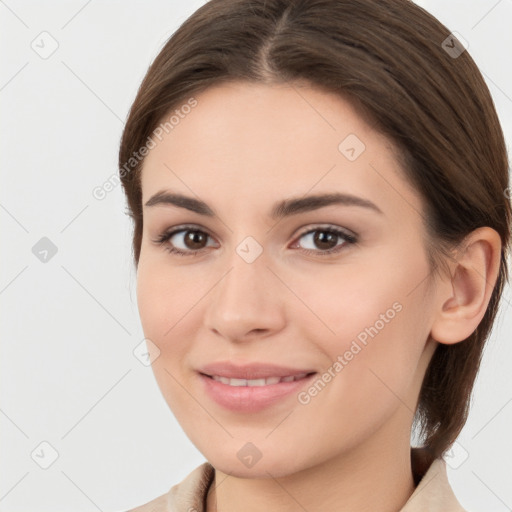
column 433, row 492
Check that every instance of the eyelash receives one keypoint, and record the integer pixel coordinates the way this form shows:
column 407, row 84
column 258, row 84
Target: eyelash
column 349, row 239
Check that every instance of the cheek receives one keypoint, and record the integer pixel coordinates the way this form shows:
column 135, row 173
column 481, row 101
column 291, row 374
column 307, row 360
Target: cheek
column 372, row 320
column 371, row 370
column 372, row 290
column 342, row 304
column 165, row 310
column 163, row 297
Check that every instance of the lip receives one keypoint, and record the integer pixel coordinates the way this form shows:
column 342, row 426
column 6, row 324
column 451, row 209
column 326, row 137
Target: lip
column 251, row 399
column 251, row 371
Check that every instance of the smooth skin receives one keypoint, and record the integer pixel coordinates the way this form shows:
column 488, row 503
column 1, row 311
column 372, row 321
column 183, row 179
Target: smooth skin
column 243, row 148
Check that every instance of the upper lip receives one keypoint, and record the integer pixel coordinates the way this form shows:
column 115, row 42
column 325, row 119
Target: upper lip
column 250, row 371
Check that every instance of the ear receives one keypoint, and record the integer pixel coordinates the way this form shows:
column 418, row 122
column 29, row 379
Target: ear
column 464, row 295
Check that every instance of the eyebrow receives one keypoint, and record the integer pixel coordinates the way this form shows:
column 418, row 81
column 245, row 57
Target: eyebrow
column 284, row 208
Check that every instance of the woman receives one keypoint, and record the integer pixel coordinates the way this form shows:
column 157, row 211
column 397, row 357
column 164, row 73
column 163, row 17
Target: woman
column 321, row 227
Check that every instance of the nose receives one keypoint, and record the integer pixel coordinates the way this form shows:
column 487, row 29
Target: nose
column 247, row 302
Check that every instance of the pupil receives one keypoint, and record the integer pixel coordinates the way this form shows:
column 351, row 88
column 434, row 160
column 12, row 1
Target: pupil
column 324, row 237
column 194, row 237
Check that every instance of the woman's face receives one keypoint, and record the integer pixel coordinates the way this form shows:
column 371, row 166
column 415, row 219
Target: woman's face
column 338, row 288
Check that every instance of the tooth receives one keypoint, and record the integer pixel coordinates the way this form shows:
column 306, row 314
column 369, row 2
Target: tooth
column 256, row 382
column 237, row 382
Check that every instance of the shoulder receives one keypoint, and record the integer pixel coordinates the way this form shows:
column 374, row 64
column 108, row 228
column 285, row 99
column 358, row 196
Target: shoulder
column 190, row 493
column 157, row 505
column 433, row 491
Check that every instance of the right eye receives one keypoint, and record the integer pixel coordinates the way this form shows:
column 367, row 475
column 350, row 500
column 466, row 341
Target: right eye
column 185, row 241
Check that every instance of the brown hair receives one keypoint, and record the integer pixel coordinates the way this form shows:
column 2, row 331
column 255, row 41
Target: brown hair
column 387, row 57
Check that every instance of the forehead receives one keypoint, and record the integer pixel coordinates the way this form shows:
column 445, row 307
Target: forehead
column 248, row 118
column 257, row 139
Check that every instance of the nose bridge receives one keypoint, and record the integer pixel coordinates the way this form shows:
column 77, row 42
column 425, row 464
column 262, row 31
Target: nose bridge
column 246, row 283
column 245, row 299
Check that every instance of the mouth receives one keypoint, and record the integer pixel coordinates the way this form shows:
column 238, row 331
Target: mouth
column 246, row 395
column 269, row 381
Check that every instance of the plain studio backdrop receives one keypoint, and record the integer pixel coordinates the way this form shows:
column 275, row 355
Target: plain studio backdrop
column 83, row 424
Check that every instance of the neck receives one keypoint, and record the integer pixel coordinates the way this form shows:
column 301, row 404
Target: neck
column 352, row 482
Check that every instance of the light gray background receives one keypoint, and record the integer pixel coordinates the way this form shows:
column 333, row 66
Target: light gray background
column 70, row 325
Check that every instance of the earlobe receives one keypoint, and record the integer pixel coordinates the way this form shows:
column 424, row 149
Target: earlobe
column 463, row 298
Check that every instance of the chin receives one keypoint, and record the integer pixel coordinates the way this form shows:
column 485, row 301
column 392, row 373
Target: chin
column 265, row 467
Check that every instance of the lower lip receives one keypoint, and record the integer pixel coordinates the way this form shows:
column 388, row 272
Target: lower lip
column 251, row 398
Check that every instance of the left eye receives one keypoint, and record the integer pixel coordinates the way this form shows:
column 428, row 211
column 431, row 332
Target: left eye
column 325, row 239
